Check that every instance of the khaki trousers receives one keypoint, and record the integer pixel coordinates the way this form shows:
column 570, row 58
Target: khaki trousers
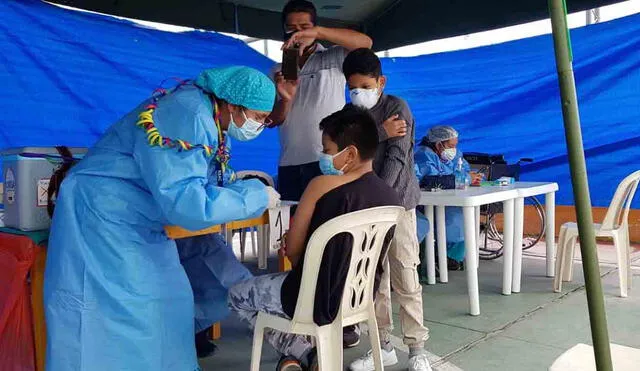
column 400, row 271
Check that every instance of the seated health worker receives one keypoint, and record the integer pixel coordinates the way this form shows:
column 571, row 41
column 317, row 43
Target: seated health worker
column 349, row 141
column 438, row 154
column 116, row 296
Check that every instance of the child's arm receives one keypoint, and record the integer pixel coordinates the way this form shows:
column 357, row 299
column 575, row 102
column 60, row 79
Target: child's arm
column 394, row 126
column 398, row 149
column 297, row 234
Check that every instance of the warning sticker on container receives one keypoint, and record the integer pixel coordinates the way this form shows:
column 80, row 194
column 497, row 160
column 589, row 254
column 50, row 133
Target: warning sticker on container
column 9, row 181
column 43, row 191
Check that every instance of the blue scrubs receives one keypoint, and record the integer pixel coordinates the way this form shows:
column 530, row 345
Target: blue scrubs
column 427, row 162
column 116, row 296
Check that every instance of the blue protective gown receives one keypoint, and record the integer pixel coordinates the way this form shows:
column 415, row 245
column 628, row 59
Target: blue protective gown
column 427, row 162
column 212, row 268
column 116, row 296
column 422, row 225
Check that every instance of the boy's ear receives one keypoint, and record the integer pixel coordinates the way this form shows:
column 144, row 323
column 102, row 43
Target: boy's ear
column 383, row 82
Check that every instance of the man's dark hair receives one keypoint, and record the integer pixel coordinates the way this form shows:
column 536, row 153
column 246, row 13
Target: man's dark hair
column 299, row 6
column 352, row 126
column 362, row 61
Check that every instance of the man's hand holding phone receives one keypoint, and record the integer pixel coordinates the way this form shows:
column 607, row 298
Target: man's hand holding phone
column 286, row 88
column 301, row 40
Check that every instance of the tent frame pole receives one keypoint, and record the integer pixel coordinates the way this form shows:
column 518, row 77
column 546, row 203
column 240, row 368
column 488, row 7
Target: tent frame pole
column 573, row 134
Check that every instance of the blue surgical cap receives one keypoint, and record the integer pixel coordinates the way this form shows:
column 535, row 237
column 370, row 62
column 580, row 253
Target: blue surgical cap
column 441, row 133
column 239, row 85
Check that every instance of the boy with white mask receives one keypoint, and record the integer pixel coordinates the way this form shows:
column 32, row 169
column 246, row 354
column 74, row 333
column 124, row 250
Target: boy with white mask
column 393, row 163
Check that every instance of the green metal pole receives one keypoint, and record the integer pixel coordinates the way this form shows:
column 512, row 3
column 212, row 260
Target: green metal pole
column 573, row 134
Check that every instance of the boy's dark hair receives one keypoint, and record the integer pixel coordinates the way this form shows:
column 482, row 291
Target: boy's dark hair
column 352, row 126
column 299, row 6
column 362, row 61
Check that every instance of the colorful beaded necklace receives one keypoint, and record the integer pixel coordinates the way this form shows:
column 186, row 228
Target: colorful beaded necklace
column 222, row 155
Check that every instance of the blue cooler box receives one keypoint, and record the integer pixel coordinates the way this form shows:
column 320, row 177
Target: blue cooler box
column 26, row 173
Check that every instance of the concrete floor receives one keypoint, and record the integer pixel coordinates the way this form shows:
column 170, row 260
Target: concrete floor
column 525, row 331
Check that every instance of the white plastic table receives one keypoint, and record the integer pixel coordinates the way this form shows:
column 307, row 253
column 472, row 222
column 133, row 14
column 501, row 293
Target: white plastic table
column 470, row 201
column 271, row 226
column 529, row 189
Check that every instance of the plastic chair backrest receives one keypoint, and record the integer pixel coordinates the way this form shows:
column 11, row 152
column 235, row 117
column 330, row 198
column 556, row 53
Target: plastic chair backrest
column 267, row 177
column 368, row 229
column 618, row 212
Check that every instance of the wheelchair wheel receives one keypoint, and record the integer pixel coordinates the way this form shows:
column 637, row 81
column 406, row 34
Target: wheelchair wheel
column 491, row 240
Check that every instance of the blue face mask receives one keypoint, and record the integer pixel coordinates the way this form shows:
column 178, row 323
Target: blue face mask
column 326, row 164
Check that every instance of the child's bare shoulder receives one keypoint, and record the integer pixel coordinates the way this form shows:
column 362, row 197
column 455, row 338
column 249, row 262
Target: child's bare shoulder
column 325, row 182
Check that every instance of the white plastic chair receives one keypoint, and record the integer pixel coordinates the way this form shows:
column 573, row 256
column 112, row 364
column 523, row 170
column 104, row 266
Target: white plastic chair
column 368, row 229
column 255, row 241
column 581, row 358
column 615, row 225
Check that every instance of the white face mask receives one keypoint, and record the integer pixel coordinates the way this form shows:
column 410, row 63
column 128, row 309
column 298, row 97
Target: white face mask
column 249, row 130
column 365, row 98
column 448, row 154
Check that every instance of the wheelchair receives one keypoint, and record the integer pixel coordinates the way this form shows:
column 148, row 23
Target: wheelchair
column 491, row 243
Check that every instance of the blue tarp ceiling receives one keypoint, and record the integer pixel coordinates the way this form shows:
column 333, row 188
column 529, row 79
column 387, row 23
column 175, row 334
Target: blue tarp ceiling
column 68, row 75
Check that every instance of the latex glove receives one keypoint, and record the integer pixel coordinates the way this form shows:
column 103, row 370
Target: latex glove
column 274, row 197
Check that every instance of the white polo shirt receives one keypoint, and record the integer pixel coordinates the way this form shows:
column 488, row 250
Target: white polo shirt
column 321, row 92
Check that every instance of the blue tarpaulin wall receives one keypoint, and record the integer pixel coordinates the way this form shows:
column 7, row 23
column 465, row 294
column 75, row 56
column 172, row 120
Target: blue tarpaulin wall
column 68, row 75
column 505, row 99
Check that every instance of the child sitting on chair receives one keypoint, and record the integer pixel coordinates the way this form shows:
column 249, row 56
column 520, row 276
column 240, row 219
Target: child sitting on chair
column 349, row 140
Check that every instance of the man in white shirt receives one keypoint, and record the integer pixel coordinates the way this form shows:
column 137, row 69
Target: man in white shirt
column 318, row 92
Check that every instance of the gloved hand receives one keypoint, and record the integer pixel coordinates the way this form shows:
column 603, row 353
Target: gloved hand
column 274, row 197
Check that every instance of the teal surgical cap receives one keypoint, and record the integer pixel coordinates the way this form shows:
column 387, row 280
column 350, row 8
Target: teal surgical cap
column 241, row 86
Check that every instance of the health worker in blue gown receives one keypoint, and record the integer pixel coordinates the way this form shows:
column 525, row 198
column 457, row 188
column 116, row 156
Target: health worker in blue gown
column 212, row 269
column 116, row 296
column 438, row 154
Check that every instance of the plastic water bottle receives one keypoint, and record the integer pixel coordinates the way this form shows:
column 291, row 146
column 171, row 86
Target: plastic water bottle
column 462, row 179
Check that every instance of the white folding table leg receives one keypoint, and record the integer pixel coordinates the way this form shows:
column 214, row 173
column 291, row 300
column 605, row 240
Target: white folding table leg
column 507, row 240
column 254, row 242
column 430, row 246
column 442, row 243
column 471, row 260
column 550, row 231
column 518, row 231
column 263, row 246
column 228, row 234
column 243, row 243
column 478, row 233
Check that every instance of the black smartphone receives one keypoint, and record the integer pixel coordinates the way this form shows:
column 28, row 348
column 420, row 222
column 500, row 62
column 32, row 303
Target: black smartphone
column 290, row 63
